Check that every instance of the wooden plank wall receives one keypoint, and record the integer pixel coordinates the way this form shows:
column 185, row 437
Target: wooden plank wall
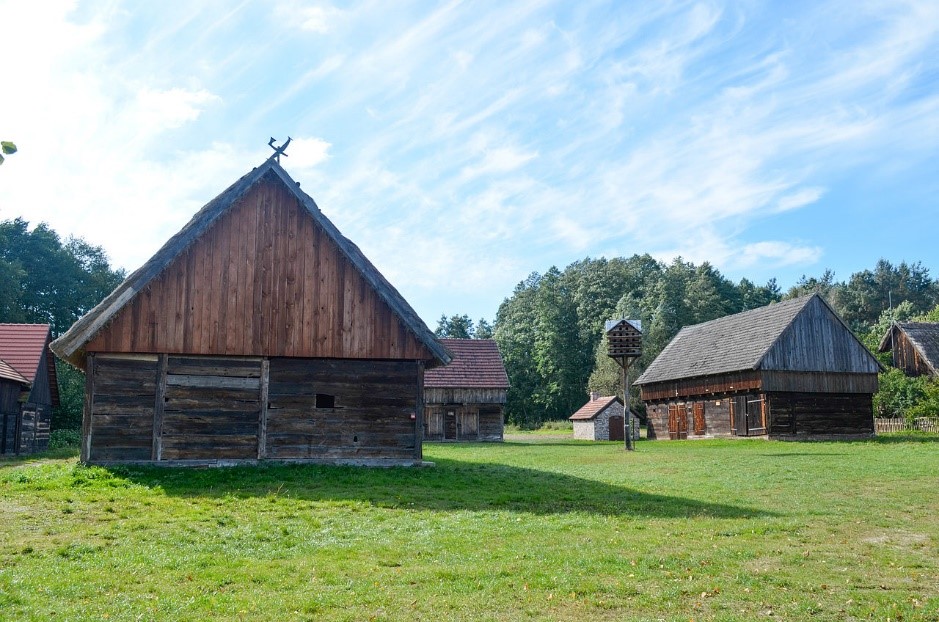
column 211, row 409
column 120, row 421
column 436, row 395
column 818, row 382
column 706, row 385
column 819, row 414
column 818, row 341
column 265, row 280
column 906, row 356
column 172, row 408
column 491, row 423
column 471, row 422
column 371, row 417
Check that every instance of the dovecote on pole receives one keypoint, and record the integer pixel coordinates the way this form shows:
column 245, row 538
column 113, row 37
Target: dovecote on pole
column 624, row 345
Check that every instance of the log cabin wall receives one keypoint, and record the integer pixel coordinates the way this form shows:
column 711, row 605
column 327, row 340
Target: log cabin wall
column 820, row 415
column 167, row 409
column 10, row 392
column 265, row 279
column 478, row 414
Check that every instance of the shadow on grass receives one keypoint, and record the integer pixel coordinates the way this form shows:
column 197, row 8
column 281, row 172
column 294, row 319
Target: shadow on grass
column 451, row 485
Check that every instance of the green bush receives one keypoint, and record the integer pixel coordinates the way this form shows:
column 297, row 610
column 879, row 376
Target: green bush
column 65, row 439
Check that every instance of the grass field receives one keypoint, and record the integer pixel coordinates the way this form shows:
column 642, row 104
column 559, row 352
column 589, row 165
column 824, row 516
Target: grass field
column 536, row 529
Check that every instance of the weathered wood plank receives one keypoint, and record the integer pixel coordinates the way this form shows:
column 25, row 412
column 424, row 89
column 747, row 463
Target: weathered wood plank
column 263, row 410
column 212, row 382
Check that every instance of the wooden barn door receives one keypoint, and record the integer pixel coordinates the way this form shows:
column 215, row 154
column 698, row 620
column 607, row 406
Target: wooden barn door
column 433, row 419
column 700, row 424
column 468, row 424
column 616, row 428
column 677, row 421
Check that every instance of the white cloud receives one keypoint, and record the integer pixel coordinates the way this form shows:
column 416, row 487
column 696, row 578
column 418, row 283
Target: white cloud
column 304, row 153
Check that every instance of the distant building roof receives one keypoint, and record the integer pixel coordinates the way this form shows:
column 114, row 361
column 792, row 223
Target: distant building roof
column 476, row 364
column 8, row 373
column 923, row 336
column 22, row 345
column 594, row 407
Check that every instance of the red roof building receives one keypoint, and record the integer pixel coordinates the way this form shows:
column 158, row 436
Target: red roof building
column 28, row 388
column 465, row 400
column 600, row 419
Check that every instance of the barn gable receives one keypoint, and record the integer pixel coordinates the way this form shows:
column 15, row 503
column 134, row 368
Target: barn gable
column 914, row 347
column 258, row 332
column 817, row 340
column 258, row 271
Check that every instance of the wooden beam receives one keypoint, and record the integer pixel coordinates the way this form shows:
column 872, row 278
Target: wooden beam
column 158, row 405
column 89, row 405
column 419, row 414
column 262, row 412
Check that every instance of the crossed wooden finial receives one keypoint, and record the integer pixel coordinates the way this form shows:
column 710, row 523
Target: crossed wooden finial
column 278, row 151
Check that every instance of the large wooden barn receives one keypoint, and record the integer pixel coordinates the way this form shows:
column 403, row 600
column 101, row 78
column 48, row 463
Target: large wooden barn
column 789, row 370
column 465, row 401
column 258, row 332
column 914, row 347
column 28, row 388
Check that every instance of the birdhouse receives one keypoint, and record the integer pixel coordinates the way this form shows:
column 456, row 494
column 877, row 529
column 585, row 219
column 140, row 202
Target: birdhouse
column 624, row 339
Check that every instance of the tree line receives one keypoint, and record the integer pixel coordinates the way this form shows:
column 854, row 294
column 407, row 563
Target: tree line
column 549, row 329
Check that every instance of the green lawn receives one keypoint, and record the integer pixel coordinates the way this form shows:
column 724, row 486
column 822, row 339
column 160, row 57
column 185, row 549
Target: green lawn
column 537, row 529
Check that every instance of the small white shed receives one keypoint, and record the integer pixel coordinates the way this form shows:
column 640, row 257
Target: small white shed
column 600, row 419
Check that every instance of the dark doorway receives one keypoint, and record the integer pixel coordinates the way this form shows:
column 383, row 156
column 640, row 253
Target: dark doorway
column 616, row 428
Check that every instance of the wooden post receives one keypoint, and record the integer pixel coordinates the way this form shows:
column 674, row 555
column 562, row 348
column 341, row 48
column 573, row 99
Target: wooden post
column 419, row 414
column 628, row 415
column 262, row 412
column 89, row 405
column 156, row 453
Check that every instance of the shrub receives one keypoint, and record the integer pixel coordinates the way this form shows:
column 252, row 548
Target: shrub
column 65, row 439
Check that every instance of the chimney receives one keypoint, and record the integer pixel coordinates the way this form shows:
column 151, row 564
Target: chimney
column 594, row 396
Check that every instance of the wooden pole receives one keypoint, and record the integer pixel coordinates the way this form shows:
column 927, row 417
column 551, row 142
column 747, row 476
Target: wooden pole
column 627, row 414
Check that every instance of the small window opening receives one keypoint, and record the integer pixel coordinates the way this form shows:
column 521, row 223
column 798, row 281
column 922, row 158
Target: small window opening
column 355, row 438
column 325, row 401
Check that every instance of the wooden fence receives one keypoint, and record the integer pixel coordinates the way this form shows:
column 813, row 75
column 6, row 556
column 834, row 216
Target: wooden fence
column 921, row 424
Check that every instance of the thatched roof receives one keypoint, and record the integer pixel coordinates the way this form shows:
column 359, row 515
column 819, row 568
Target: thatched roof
column 70, row 346
column 755, row 340
column 923, row 336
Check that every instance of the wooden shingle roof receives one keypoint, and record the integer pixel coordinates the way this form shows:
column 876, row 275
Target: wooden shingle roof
column 923, row 336
column 759, row 339
column 476, row 364
column 70, row 346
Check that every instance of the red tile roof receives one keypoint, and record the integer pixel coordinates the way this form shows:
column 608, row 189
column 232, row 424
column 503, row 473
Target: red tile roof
column 593, row 408
column 22, row 345
column 8, row 373
column 477, row 363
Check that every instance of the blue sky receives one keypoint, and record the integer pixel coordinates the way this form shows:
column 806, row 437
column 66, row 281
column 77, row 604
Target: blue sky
column 464, row 145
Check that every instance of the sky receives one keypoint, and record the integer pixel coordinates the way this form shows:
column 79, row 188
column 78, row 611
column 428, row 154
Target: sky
column 464, row 145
